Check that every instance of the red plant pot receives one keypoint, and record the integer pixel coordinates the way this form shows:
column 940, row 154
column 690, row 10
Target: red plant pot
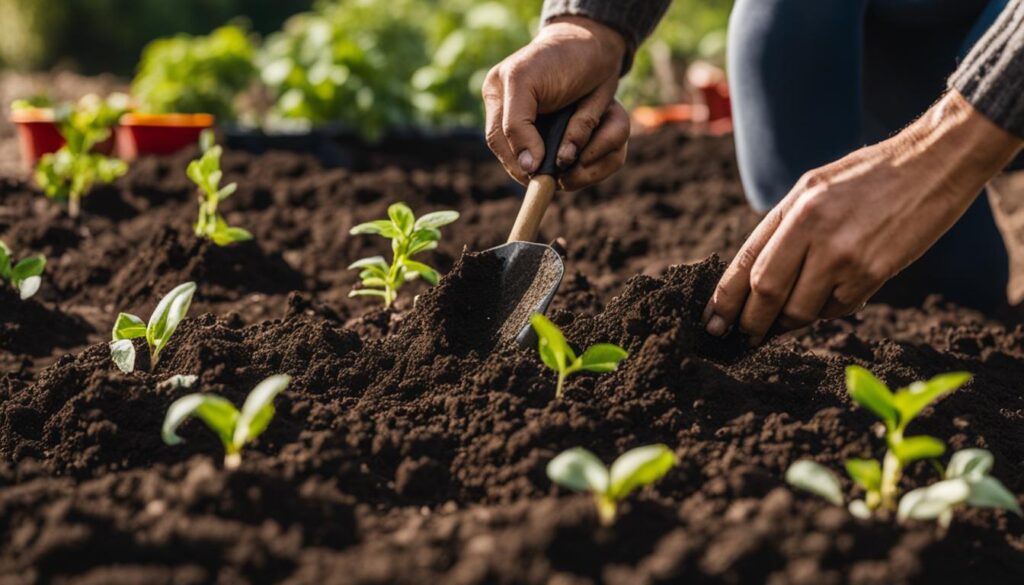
column 38, row 134
column 140, row 134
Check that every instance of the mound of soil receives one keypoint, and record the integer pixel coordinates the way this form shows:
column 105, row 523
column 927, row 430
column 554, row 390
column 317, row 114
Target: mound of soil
column 411, row 448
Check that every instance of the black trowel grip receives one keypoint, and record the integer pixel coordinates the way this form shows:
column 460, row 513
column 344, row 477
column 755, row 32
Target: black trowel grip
column 552, row 129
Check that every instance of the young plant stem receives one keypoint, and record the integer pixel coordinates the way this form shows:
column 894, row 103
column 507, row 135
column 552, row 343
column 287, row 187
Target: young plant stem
column 232, row 459
column 561, row 383
column 891, row 471
column 605, row 509
column 74, row 205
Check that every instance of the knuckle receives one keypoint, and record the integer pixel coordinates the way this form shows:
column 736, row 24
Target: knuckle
column 587, row 121
column 813, row 180
column 811, row 207
column 745, row 258
column 766, row 287
column 494, row 136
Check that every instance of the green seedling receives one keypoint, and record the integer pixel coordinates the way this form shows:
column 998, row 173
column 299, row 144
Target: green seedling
column 580, row 470
column 162, row 323
column 70, row 173
column 966, row 482
column 206, row 174
column 23, row 275
column 234, row 428
column 409, row 236
column 556, row 353
column 880, row 480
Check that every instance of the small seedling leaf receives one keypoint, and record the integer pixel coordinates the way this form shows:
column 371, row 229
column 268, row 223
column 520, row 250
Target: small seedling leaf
column 207, row 140
column 919, row 447
column 29, row 287
column 436, row 219
column 367, row 292
column 639, row 467
column 28, row 267
column 227, row 191
column 859, row 509
column 230, row 235
column 217, row 412
column 425, row 272
column 815, row 478
column 168, row 314
column 930, row 502
column 402, row 217
column 989, row 492
column 178, row 382
column 602, row 357
column 871, row 393
column 579, row 470
column 5, row 261
column 970, row 464
column 912, row 400
column 866, row 472
column 381, row 227
column 368, row 262
column 554, row 349
column 122, row 352
column 128, row 326
column 258, row 409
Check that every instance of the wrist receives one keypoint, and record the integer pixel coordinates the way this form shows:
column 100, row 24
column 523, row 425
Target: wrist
column 611, row 44
column 966, row 146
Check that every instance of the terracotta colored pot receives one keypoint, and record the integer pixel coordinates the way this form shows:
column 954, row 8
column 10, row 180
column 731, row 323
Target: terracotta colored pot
column 140, row 134
column 38, row 134
column 655, row 116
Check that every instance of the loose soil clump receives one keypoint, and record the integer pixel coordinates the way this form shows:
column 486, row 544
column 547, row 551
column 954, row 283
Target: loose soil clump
column 410, row 448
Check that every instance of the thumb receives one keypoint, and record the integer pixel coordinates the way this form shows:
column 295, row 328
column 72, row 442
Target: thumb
column 518, row 117
column 589, row 112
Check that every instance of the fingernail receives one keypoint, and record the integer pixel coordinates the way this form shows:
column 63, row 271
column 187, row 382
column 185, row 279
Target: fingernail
column 716, row 326
column 526, row 161
column 706, row 315
column 566, row 154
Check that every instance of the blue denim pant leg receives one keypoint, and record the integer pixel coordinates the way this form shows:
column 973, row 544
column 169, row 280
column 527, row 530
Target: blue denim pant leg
column 814, row 80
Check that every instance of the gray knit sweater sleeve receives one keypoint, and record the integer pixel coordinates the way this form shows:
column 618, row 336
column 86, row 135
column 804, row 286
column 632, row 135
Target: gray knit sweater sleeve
column 992, row 75
column 635, row 19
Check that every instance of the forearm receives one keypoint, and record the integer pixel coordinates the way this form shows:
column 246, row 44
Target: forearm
column 991, row 78
column 634, row 19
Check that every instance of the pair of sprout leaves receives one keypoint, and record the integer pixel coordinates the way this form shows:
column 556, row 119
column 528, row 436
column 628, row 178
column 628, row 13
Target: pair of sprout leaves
column 409, row 236
column 557, row 354
column 965, row 480
column 235, row 428
column 206, row 174
column 25, row 274
column 169, row 313
column 580, row 470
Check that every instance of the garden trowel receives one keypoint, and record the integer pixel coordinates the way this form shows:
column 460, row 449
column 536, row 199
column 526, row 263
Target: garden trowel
column 531, row 272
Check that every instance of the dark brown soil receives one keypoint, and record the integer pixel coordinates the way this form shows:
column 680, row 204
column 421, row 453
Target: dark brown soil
column 408, row 449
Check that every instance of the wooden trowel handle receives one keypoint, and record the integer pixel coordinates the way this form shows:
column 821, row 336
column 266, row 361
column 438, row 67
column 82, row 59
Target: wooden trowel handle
column 542, row 184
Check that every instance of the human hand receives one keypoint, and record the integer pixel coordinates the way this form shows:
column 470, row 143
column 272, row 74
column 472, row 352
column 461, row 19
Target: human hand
column 572, row 59
column 848, row 227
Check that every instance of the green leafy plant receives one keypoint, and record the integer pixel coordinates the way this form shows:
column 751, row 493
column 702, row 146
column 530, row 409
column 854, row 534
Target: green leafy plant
column 201, row 74
column 468, row 38
column 580, row 470
column 234, row 427
column 70, row 173
column 880, row 480
column 409, row 236
column 347, row 62
column 206, row 174
column 169, row 313
column 556, row 353
column 24, row 275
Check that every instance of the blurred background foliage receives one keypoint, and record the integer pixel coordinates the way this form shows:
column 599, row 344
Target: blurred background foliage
column 368, row 64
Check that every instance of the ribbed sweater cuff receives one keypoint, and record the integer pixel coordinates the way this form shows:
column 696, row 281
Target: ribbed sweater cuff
column 991, row 78
column 635, row 19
